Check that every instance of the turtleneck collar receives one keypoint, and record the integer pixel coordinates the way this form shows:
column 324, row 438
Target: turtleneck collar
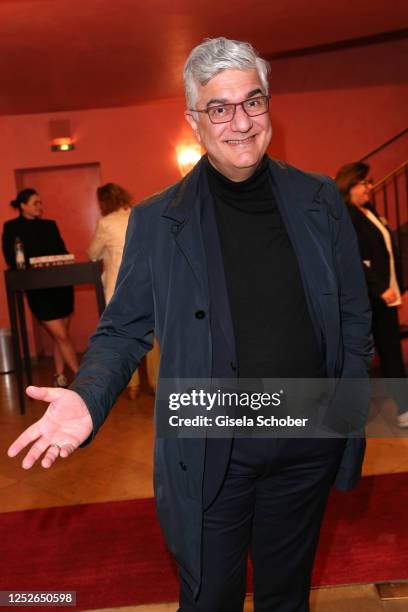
column 239, row 185
column 251, row 196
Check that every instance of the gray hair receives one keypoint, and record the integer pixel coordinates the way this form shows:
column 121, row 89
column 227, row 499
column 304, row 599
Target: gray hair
column 215, row 55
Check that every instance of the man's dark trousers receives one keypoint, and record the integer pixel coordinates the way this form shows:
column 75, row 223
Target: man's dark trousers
column 272, row 502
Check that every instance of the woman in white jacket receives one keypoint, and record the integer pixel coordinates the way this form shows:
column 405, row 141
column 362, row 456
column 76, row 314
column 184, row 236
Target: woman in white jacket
column 107, row 244
column 109, row 239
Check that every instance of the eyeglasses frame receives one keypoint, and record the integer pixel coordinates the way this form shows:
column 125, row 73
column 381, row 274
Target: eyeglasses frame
column 234, row 104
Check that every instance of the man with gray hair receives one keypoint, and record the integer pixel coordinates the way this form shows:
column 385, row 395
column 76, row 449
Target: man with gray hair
column 246, row 268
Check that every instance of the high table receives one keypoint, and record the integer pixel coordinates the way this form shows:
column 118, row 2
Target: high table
column 18, row 281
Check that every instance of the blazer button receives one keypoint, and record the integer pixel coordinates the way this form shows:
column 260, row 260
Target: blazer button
column 183, row 466
column 200, row 314
column 233, row 366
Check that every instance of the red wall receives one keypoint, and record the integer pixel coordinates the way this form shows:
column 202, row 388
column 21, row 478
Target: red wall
column 326, row 110
column 333, row 108
column 134, row 146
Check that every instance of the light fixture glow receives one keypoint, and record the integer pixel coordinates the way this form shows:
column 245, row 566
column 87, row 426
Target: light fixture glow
column 187, row 157
column 62, row 144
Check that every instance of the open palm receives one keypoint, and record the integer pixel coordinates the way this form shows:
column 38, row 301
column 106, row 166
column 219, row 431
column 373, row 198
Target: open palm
column 64, row 426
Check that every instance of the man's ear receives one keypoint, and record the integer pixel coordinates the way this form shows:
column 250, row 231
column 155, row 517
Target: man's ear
column 193, row 124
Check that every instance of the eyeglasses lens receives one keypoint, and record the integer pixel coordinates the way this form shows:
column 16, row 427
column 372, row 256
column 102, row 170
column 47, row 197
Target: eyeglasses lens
column 252, row 107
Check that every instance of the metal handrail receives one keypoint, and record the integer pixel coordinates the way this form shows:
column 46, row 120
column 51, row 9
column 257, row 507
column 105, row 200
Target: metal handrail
column 389, row 175
column 393, row 194
column 384, row 145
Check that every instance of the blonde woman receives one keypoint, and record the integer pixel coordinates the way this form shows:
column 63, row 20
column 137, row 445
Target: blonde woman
column 107, row 244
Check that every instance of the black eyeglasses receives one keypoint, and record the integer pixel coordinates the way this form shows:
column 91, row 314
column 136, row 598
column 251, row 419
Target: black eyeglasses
column 223, row 113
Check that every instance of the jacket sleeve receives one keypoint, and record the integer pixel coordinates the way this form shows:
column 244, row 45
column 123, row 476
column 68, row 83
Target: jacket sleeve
column 375, row 284
column 355, row 310
column 348, row 408
column 124, row 333
column 8, row 245
column 98, row 242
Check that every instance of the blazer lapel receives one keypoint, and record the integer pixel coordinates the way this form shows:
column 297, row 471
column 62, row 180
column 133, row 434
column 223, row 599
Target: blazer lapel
column 306, row 222
column 219, row 299
column 184, row 212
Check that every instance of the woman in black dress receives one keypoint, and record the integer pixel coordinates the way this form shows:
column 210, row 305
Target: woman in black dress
column 52, row 307
column 380, row 266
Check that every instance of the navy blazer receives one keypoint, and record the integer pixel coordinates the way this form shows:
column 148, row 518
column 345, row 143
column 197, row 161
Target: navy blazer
column 163, row 283
column 374, row 253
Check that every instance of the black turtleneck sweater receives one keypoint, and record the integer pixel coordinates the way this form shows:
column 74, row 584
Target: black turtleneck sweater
column 274, row 335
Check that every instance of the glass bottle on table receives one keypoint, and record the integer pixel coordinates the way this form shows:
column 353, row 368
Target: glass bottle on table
column 19, row 253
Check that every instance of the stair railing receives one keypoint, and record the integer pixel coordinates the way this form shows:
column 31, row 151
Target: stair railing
column 390, row 197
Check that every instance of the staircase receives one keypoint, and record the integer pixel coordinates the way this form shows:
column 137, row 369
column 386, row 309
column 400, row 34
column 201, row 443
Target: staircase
column 390, row 196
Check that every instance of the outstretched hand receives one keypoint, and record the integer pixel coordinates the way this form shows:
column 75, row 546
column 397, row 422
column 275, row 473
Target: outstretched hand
column 64, row 426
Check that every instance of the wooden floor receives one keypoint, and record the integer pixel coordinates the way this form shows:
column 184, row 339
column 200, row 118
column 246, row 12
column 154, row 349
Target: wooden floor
column 124, row 450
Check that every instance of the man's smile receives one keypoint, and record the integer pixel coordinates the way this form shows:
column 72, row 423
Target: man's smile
column 241, row 141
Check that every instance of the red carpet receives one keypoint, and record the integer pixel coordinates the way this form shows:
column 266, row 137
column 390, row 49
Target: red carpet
column 113, row 554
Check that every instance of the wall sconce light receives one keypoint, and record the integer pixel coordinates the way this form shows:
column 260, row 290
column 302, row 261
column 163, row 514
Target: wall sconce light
column 61, row 135
column 187, row 157
column 62, row 144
